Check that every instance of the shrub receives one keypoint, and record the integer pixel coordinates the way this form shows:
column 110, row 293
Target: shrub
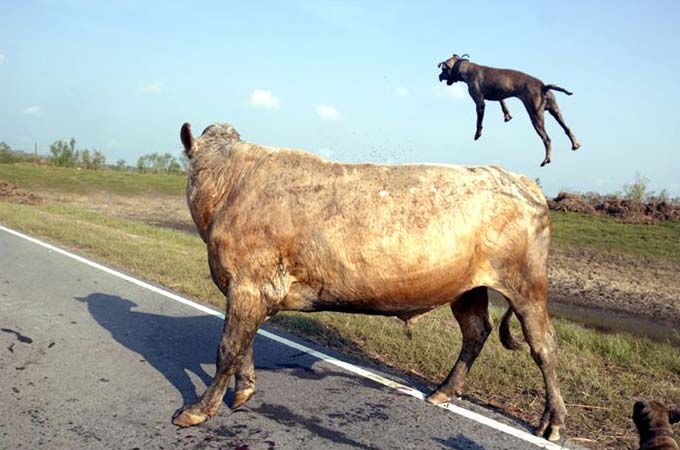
column 92, row 161
column 157, row 163
column 64, row 153
column 637, row 190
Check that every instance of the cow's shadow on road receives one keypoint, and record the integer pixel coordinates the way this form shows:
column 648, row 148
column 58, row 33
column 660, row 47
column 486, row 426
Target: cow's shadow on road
column 174, row 346
column 179, row 345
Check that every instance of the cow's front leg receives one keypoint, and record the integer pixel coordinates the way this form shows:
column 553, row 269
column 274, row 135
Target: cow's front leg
column 245, row 380
column 245, row 312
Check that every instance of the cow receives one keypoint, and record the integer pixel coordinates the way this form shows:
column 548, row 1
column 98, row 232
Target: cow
column 289, row 231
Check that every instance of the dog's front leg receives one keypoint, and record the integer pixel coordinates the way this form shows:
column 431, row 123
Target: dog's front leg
column 506, row 111
column 478, row 98
column 480, row 117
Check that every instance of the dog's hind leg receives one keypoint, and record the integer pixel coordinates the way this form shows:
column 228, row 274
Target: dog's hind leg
column 537, row 120
column 554, row 110
column 506, row 112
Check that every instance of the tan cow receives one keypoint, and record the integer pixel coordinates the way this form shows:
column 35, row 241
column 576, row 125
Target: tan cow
column 287, row 230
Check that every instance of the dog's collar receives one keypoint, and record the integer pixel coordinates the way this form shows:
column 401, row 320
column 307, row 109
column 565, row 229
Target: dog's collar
column 455, row 70
column 655, row 433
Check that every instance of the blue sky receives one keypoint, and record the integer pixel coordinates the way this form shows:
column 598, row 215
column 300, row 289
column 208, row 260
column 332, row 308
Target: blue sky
column 354, row 81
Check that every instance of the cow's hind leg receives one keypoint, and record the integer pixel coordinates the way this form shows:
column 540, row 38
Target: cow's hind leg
column 245, row 312
column 471, row 312
column 540, row 335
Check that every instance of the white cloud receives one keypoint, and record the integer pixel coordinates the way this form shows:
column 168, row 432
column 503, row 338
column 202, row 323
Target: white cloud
column 401, row 91
column 2, row 58
column 34, row 110
column 154, row 88
column 456, row 90
column 328, row 112
column 261, row 98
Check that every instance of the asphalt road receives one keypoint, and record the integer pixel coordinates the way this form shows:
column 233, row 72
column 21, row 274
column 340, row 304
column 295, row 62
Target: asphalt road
column 90, row 361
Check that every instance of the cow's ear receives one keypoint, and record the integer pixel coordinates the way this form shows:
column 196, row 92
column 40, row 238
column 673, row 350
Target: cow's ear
column 187, row 140
column 674, row 415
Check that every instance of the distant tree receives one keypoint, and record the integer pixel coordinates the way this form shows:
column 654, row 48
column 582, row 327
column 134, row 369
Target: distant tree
column 98, row 160
column 6, row 155
column 120, row 164
column 64, row 153
column 636, row 191
column 157, row 163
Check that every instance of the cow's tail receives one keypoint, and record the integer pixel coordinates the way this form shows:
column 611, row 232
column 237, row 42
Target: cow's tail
column 555, row 87
column 507, row 340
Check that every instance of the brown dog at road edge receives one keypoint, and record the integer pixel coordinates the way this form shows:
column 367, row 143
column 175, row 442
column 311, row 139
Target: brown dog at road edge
column 653, row 421
column 490, row 83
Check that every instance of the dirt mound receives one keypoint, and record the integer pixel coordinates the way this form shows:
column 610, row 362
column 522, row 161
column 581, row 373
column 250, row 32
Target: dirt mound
column 625, row 210
column 13, row 194
column 570, row 202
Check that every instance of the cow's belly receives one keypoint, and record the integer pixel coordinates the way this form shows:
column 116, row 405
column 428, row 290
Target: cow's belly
column 392, row 273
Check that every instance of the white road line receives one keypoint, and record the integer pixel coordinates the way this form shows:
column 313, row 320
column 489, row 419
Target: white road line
column 507, row 429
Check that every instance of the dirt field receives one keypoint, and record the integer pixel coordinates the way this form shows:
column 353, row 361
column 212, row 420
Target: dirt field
column 596, row 282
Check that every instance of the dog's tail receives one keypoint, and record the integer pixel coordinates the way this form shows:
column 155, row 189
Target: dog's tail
column 555, row 87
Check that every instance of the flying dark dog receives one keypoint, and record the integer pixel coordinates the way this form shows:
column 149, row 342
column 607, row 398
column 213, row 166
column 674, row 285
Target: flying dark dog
column 489, row 83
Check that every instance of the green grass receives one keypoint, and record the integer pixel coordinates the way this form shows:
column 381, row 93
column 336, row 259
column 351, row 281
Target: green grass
column 601, row 374
column 72, row 180
column 574, row 230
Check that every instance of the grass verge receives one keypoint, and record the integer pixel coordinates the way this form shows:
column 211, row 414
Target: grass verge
column 601, row 374
column 574, row 230
column 77, row 181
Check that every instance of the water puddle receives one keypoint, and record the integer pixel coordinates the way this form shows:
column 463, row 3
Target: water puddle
column 607, row 321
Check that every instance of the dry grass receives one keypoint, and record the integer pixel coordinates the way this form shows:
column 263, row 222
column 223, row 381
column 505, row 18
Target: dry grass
column 601, row 374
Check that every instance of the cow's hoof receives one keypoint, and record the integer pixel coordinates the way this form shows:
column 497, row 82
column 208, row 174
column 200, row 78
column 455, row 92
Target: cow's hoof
column 508, row 118
column 189, row 417
column 549, row 432
column 478, row 135
column 545, row 161
column 438, row 398
column 241, row 397
column 576, row 146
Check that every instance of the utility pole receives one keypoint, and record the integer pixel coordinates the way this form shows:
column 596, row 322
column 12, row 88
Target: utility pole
column 35, row 148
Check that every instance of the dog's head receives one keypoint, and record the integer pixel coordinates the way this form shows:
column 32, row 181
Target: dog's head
column 652, row 417
column 447, row 67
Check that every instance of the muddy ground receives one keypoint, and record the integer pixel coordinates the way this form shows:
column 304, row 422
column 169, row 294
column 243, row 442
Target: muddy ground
column 587, row 282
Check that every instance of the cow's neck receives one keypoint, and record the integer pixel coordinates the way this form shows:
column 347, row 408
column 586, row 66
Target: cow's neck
column 213, row 176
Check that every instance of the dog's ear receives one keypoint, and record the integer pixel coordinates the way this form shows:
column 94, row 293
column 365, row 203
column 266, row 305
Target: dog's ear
column 674, row 415
column 639, row 406
column 187, row 140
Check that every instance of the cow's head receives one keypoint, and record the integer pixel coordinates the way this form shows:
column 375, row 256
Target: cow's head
column 206, row 161
column 447, row 74
column 216, row 135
